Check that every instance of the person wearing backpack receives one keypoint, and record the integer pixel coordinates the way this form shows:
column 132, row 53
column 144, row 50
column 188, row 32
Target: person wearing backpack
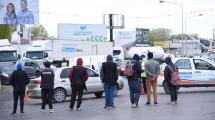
column 134, row 80
column 109, row 77
column 168, row 75
column 78, row 76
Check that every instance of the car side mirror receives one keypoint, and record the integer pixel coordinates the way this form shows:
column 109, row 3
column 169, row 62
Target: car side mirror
column 45, row 55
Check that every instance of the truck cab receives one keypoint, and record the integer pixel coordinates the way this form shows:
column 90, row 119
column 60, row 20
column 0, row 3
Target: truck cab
column 8, row 58
column 40, row 49
column 194, row 72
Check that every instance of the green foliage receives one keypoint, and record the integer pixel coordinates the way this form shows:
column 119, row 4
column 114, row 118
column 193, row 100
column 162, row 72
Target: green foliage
column 39, row 32
column 160, row 34
column 5, row 31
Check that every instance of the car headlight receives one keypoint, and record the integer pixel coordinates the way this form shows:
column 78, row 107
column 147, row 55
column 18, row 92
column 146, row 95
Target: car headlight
column 5, row 75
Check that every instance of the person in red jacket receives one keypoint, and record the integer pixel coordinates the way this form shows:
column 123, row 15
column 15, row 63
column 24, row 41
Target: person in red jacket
column 78, row 76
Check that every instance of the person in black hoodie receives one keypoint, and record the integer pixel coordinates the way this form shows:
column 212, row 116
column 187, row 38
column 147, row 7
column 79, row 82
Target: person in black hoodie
column 109, row 77
column 19, row 80
column 168, row 76
column 134, row 81
column 47, row 87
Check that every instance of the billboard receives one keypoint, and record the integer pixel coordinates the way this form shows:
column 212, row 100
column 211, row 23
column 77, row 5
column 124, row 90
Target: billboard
column 85, row 32
column 124, row 38
column 19, row 11
column 142, row 36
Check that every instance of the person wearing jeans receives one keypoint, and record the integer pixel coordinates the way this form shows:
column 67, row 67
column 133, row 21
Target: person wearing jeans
column 109, row 77
column 109, row 95
column 134, row 81
column 135, row 91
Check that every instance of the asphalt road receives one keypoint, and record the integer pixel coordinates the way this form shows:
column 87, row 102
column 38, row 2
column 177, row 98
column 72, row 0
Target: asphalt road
column 194, row 104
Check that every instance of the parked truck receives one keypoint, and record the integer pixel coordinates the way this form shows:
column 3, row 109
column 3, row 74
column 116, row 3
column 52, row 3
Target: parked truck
column 56, row 50
column 8, row 58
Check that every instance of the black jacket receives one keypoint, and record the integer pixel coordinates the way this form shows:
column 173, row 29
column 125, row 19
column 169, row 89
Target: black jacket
column 109, row 74
column 137, row 70
column 19, row 80
column 47, row 79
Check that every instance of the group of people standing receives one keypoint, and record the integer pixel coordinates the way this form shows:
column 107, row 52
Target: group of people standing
column 145, row 70
column 148, row 70
column 24, row 16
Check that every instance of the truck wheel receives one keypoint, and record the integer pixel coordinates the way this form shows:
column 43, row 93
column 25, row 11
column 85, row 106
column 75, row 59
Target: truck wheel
column 99, row 94
column 166, row 87
column 59, row 95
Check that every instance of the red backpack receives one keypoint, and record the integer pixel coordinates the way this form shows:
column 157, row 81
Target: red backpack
column 175, row 79
column 129, row 69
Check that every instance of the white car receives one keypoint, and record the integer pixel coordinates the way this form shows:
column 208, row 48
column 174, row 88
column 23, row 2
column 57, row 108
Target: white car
column 194, row 72
column 62, row 87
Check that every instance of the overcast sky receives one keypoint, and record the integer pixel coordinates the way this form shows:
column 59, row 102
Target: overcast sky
column 138, row 13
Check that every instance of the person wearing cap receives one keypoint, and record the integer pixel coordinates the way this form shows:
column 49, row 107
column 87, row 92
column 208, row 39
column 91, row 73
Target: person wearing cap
column 19, row 80
column 78, row 76
column 152, row 69
column 47, row 87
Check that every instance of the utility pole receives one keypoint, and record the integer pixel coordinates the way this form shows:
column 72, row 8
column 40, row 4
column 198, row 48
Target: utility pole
column 111, row 27
column 211, row 43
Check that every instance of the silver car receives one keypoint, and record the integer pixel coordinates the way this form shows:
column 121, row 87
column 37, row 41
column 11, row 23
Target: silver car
column 62, row 87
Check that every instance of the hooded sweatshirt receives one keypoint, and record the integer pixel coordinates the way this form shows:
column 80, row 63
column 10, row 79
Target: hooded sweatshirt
column 137, row 66
column 108, row 73
column 78, row 72
column 19, row 79
column 167, row 70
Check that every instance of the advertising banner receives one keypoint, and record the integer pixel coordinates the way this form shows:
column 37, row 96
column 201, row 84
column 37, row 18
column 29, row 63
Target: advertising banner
column 85, row 32
column 19, row 11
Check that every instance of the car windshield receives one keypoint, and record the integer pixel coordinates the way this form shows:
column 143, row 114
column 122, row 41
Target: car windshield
column 6, row 56
column 35, row 55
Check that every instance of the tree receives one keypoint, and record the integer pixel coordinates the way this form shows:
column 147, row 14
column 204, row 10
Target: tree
column 160, row 34
column 39, row 32
column 5, row 31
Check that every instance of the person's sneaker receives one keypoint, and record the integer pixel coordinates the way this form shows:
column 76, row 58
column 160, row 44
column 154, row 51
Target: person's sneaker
column 42, row 111
column 79, row 108
column 13, row 113
column 51, row 110
column 171, row 102
column 133, row 105
column 111, row 107
column 70, row 109
column 136, row 104
column 147, row 103
column 22, row 113
column 155, row 103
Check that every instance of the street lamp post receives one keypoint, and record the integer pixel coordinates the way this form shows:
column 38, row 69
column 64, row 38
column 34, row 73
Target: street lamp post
column 182, row 19
column 185, row 22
